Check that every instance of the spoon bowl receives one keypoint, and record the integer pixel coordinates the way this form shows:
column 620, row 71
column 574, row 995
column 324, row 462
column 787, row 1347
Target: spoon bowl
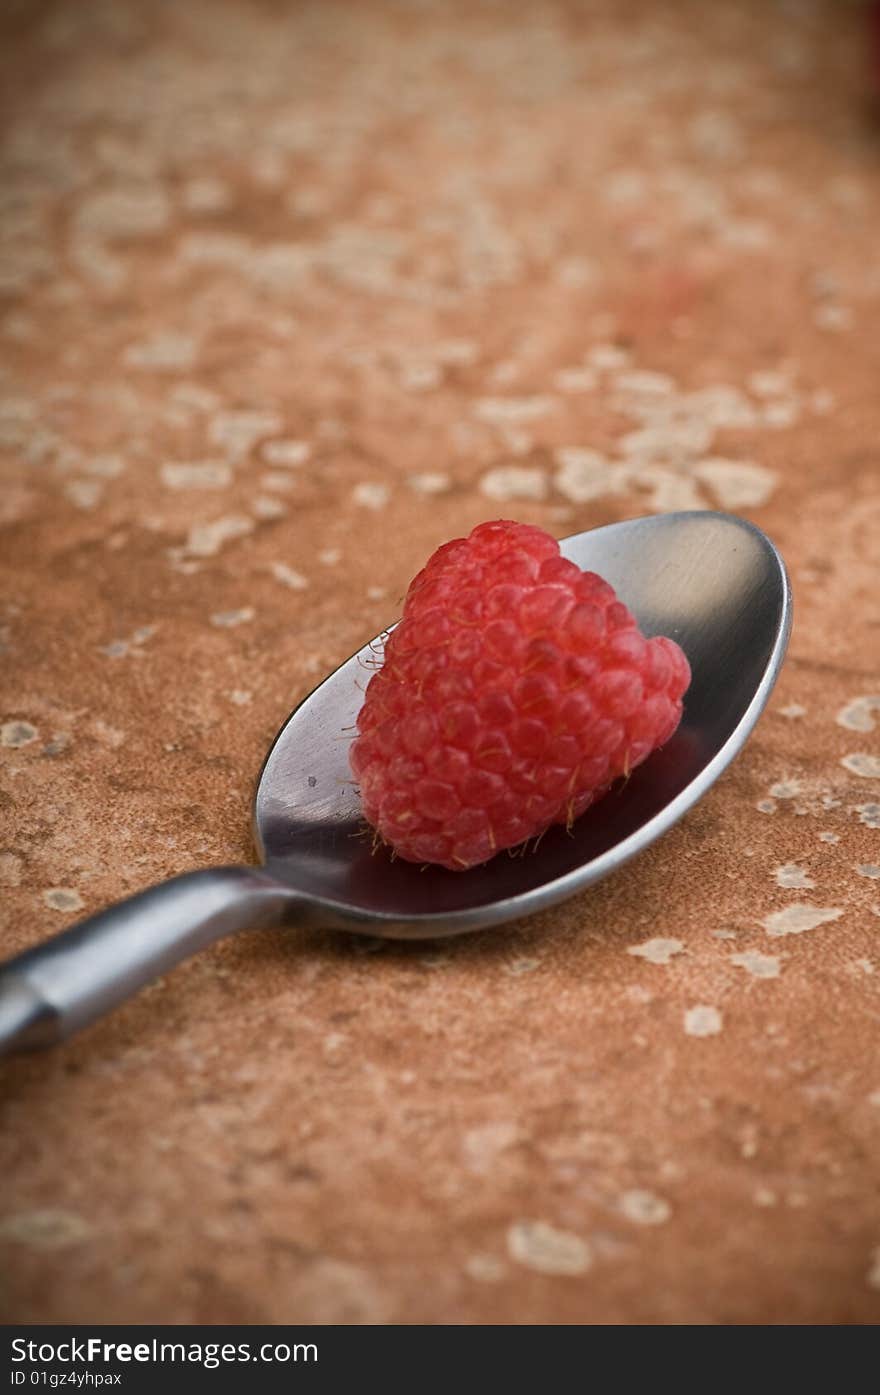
column 711, row 581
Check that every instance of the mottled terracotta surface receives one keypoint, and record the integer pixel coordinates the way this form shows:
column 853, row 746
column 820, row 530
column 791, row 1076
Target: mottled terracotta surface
column 428, row 246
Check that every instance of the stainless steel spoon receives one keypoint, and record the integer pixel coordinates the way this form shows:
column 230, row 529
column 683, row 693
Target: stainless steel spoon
column 709, row 580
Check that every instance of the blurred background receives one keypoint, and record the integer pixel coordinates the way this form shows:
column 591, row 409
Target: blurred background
column 289, row 294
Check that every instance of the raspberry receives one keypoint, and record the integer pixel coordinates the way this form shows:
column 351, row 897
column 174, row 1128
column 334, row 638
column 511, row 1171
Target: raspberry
column 514, row 691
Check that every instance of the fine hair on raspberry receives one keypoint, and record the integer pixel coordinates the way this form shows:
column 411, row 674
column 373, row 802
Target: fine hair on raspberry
column 512, row 694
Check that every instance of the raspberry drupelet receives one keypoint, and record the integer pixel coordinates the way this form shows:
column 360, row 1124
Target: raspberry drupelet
column 515, row 689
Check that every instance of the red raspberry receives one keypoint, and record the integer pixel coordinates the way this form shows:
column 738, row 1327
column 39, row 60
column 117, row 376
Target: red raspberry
column 514, row 691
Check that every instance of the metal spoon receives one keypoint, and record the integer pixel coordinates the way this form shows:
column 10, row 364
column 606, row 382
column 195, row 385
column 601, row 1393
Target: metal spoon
column 709, row 580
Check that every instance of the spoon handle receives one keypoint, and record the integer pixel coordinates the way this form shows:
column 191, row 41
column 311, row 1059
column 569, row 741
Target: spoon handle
column 53, row 990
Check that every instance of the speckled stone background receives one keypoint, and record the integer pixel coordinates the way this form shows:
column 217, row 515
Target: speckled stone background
column 290, row 294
